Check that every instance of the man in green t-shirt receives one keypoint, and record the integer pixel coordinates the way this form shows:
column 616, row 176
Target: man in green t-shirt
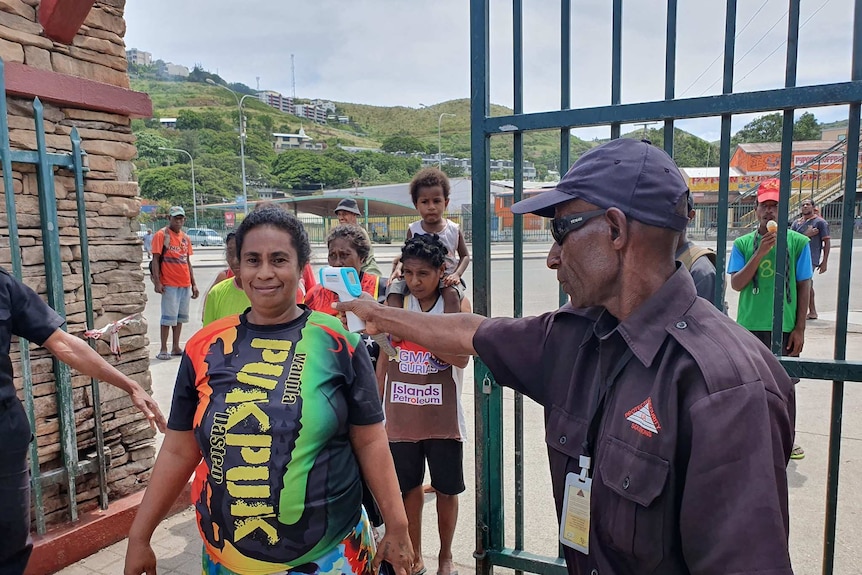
column 752, row 268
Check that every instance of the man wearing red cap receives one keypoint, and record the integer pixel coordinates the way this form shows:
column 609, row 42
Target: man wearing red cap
column 752, row 268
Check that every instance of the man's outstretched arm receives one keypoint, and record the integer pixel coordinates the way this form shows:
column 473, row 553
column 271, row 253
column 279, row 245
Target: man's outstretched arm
column 447, row 334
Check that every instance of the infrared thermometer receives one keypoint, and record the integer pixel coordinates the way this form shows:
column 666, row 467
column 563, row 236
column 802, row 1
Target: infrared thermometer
column 345, row 283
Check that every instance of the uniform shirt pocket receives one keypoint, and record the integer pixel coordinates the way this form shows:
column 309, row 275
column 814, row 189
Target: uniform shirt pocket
column 631, row 515
column 564, row 434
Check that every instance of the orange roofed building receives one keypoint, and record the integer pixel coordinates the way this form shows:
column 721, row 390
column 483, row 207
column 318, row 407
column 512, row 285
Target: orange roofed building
column 764, row 159
column 503, row 200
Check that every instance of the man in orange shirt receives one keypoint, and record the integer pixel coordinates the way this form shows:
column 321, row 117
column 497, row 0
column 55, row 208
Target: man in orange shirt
column 174, row 278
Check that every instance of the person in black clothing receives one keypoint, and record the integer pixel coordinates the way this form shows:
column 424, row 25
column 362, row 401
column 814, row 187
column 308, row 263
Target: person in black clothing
column 24, row 314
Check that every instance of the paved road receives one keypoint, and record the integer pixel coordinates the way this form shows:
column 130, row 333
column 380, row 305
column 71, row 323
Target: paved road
column 178, row 545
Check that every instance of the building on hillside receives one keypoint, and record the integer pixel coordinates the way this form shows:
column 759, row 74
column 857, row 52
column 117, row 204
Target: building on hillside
column 357, row 149
column 168, row 122
column 325, row 105
column 298, row 141
column 431, row 160
column 834, row 134
column 276, row 100
column 270, row 194
column 139, row 57
column 176, row 70
column 311, row 112
column 317, row 111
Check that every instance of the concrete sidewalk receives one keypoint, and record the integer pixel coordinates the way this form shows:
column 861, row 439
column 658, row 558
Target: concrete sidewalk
column 176, row 543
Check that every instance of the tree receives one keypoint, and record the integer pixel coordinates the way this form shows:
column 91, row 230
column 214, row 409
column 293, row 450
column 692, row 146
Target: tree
column 215, row 142
column 173, row 183
column 266, row 123
column 806, row 127
column 453, row 171
column 370, row 175
column 768, row 128
column 259, row 148
column 198, row 74
column 763, row 129
column 148, row 144
column 304, row 169
column 403, row 143
column 212, row 120
column 189, row 120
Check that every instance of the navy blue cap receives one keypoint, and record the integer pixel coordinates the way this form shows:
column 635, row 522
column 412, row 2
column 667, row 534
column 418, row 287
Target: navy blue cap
column 634, row 176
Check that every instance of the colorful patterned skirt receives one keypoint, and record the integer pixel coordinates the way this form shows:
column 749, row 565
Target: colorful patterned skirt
column 352, row 556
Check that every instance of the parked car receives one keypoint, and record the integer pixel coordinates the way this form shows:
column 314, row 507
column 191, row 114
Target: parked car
column 204, row 237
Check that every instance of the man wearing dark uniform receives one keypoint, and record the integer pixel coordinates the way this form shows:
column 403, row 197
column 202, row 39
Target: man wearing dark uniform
column 668, row 426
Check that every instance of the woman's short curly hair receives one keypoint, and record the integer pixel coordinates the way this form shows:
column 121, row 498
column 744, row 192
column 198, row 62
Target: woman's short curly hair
column 277, row 218
column 428, row 178
column 425, row 247
column 355, row 236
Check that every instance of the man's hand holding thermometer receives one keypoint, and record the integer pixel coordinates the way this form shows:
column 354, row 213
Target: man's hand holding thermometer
column 345, row 283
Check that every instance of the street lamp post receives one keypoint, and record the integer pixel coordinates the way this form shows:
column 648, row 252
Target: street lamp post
column 439, row 146
column 194, row 194
column 239, row 102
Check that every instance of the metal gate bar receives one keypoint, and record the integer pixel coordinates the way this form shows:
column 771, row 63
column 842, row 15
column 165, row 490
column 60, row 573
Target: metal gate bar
column 518, row 258
column 490, row 485
column 101, row 456
column 54, row 280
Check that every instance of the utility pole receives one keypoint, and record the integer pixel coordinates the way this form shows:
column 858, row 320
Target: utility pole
column 293, row 77
column 439, row 146
column 645, row 124
column 194, row 193
column 239, row 102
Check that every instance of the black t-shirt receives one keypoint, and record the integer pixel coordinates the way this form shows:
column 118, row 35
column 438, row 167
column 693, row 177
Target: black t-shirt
column 24, row 314
column 271, row 408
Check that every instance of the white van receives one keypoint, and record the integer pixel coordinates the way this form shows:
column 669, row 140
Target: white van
column 205, row 237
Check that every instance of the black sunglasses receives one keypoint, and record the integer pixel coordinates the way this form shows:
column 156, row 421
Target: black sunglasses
column 560, row 227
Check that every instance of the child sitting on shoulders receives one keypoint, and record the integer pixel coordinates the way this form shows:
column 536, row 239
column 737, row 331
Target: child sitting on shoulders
column 422, row 403
column 429, row 191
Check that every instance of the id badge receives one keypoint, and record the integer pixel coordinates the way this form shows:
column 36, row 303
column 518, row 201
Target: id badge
column 575, row 522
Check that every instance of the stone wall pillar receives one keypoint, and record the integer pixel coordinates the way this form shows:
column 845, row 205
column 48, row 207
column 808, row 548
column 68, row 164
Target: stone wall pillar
column 94, row 64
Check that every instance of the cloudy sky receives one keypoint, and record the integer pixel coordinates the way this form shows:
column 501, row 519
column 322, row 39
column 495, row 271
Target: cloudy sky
column 403, row 52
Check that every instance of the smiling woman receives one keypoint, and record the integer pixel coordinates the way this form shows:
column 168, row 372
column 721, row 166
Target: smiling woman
column 276, row 411
column 273, row 248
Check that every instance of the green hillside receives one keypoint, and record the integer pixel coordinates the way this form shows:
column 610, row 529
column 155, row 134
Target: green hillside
column 370, row 125
column 170, row 97
column 207, row 128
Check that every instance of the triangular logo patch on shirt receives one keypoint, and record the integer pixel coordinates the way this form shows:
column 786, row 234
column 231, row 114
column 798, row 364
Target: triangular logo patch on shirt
column 643, row 419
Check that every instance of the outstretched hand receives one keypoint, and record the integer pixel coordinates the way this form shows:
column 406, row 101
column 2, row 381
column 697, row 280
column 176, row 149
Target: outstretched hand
column 148, row 406
column 364, row 307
